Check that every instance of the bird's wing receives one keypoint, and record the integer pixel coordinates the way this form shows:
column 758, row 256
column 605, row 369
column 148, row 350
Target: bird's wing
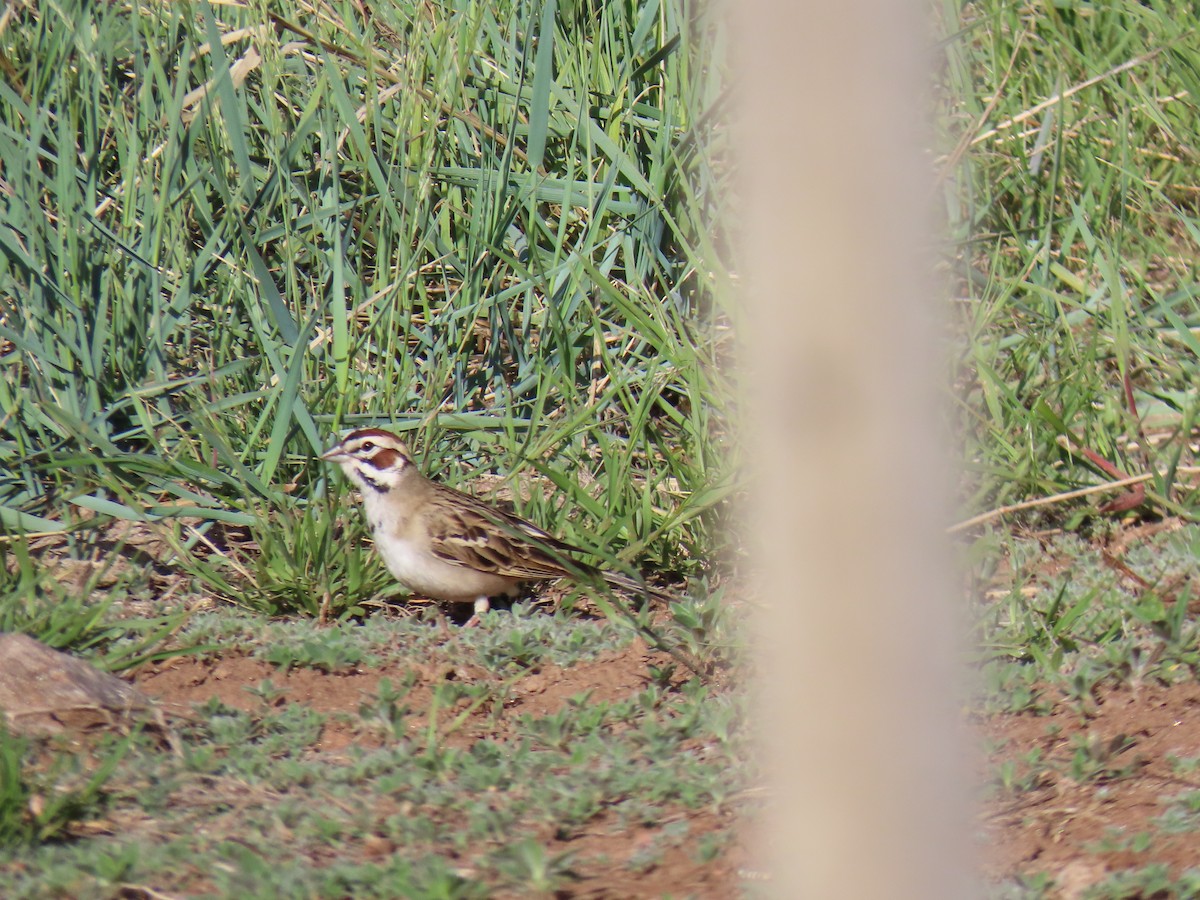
column 467, row 532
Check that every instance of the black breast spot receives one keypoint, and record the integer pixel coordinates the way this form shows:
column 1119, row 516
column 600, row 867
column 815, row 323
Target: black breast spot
column 374, row 484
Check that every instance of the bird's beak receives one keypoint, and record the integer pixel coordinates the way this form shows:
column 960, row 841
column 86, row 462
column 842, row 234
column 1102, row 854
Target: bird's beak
column 332, row 454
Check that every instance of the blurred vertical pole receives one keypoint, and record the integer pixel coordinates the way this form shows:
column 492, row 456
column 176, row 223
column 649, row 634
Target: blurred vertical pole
column 844, row 378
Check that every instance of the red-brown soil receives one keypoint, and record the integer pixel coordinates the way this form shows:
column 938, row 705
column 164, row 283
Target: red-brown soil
column 601, row 850
column 1074, row 830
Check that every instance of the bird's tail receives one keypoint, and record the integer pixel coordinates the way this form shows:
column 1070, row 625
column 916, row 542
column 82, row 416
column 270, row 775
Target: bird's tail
column 639, row 586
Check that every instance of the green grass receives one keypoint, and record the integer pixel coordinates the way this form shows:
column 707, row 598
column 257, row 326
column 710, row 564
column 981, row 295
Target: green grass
column 468, row 817
column 44, row 794
column 501, row 229
column 491, row 228
column 1056, row 637
column 1069, row 180
column 1067, row 183
column 228, row 233
column 1072, row 227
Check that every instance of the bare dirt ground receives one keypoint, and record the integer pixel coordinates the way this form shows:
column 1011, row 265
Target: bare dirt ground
column 687, row 851
column 600, row 852
column 1080, row 831
column 1095, row 781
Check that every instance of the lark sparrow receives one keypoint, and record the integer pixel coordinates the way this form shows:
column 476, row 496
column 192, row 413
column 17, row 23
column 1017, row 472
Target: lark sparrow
column 443, row 543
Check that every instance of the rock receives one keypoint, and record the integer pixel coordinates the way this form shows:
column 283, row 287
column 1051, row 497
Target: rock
column 45, row 691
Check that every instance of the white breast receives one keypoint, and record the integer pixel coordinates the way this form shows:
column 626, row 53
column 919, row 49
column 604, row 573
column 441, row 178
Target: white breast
column 415, row 566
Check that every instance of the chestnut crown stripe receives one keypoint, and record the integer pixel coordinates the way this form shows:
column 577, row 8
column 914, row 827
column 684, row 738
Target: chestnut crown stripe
column 368, row 433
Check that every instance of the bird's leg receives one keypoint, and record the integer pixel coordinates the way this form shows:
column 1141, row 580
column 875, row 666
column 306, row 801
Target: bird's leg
column 482, row 605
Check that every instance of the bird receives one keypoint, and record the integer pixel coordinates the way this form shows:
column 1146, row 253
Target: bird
column 447, row 545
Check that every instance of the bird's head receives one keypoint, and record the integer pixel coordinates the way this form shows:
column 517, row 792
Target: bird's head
column 374, row 459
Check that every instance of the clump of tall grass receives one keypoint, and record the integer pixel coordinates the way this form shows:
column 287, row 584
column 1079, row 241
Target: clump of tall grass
column 229, row 231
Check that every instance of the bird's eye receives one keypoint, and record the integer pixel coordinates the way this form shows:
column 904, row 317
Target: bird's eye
column 368, row 446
